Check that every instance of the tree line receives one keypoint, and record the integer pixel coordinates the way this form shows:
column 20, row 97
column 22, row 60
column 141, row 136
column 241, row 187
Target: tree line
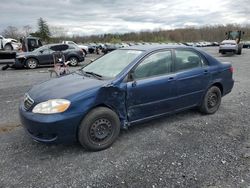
column 49, row 33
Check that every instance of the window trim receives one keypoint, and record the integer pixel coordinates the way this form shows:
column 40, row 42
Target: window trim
column 130, row 77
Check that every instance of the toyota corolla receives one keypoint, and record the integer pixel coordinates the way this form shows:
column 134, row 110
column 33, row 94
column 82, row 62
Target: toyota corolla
column 124, row 87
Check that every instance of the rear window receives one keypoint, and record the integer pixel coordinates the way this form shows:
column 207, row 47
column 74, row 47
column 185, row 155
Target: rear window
column 61, row 47
column 186, row 59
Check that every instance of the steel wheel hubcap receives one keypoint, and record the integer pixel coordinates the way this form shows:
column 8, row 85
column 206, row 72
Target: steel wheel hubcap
column 212, row 100
column 100, row 130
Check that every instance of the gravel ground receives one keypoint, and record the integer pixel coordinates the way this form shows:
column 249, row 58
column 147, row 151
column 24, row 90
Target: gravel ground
column 183, row 150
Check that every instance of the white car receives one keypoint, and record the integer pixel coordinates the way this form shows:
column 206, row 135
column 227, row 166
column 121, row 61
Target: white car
column 83, row 47
column 230, row 46
column 9, row 44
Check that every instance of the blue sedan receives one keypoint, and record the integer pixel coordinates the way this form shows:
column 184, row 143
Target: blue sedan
column 124, row 87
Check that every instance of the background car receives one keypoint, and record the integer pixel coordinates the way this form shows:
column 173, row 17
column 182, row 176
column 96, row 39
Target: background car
column 9, row 44
column 44, row 55
column 83, row 47
column 246, row 44
column 91, row 47
column 110, row 47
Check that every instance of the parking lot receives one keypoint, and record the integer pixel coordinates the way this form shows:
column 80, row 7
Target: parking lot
column 183, row 150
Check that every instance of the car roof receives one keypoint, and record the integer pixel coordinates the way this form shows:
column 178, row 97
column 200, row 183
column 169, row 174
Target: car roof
column 30, row 37
column 155, row 47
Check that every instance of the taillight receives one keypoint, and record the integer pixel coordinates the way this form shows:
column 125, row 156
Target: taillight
column 231, row 69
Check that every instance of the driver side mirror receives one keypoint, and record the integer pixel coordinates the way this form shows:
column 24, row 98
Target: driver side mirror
column 41, row 51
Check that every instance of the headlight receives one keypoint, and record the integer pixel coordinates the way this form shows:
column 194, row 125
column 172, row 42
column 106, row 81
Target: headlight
column 51, row 106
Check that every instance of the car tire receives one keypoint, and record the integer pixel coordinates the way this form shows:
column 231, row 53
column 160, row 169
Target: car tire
column 8, row 47
column 99, row 129
column 31, row 63
column 211, row 101
column 73, row 61
column 239, row 52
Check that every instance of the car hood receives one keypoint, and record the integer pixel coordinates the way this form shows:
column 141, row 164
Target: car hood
column 24, row 54
column 64, row 87
column 82, row 46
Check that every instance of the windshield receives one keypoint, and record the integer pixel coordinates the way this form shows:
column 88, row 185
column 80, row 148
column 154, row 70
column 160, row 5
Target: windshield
column 233, row 35
column 112, row 64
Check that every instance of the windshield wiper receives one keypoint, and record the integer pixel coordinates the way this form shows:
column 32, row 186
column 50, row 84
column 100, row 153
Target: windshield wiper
column 79, row 71
column 94, row 74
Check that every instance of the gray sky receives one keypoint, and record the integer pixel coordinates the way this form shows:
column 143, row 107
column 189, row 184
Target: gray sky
column 95, row 17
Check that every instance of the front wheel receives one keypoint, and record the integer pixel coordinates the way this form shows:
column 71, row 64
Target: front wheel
column 99, row 129
column 211, row 101
column 8, row 47
column 31, row 63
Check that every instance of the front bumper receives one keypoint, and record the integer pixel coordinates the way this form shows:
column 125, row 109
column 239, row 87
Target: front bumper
column 53, row 128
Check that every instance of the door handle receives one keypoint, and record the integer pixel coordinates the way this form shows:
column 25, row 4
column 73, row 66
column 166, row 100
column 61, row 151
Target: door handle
column 170, row 78
column 205, row 71
column 133, row 84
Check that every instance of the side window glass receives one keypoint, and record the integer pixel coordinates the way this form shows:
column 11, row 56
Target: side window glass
column 187, row 60
column 32, row 43
column 46, row 51
column 156, row 64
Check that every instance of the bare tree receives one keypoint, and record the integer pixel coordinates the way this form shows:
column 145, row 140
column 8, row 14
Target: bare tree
column 27, row 29
column 58, row 31
column 12, row 32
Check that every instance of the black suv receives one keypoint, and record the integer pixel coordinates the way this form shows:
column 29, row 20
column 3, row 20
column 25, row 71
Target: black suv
column 44, row 55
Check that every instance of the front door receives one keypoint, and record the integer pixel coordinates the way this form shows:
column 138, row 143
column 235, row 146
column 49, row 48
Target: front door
column 152, row 90
column 45, row 56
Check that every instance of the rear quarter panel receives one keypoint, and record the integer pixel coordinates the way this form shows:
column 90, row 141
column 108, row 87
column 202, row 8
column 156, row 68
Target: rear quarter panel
column 220, row 73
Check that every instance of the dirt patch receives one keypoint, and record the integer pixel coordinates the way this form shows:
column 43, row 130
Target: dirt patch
column 8, row 128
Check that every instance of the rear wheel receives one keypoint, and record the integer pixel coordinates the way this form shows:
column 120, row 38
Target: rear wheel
column 73, row 61
column 211, row 101
column 31, row 63
column 99, row 129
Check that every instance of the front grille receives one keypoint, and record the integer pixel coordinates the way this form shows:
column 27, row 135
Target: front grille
column 28, row 102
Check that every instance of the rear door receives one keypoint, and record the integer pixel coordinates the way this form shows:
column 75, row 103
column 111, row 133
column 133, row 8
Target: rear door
column 192, row 77
column 152, row 90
